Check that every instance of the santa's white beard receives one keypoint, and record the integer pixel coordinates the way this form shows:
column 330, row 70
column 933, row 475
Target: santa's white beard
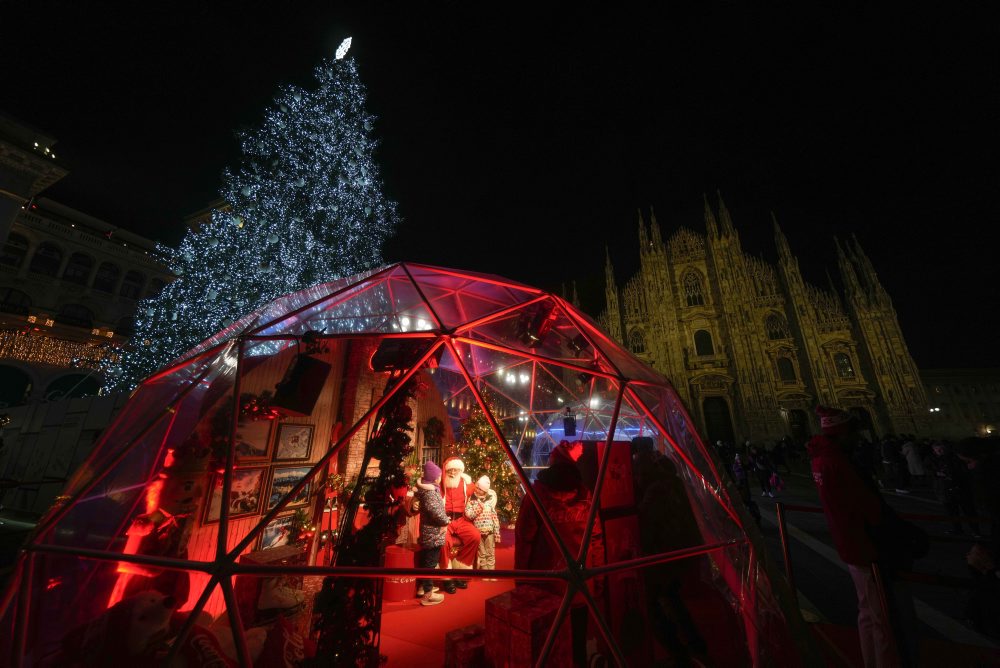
column 452, row 483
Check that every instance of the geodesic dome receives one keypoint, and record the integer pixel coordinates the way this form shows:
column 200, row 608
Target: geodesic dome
column 219, row 493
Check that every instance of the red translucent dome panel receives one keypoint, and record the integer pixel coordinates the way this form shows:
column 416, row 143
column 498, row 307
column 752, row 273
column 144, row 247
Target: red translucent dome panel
column 229, row 497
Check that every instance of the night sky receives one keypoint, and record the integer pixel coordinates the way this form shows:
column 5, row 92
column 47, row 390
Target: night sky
column 521, row 143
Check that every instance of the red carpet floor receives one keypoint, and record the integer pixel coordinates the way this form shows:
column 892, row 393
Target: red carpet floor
column 413, row 635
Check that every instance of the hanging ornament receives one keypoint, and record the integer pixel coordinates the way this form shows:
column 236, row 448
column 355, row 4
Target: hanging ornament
column 213, row 242
column 368, row 211
column 150, row 312
column 173, row 315
column 246, row 190
column 212, row 294
column 283, row 108
column 179, row 271
column 357, row 150
column 299, row 182
column 188, row 257
column 335, row 208
column 297, row 96
column 272, row 239
column 368, row 125
column 265, row 268
column 352, row 164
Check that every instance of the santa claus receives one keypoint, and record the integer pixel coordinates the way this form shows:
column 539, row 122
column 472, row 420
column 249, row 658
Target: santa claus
column 462, row 540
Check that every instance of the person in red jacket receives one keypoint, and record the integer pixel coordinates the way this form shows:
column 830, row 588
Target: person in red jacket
column 854, row 512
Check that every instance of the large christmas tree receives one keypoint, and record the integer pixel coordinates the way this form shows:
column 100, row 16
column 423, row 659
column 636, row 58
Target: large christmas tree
column 303, row 206
column 483, row 455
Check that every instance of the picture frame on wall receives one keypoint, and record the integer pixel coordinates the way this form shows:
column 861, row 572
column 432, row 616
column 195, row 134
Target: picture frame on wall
column 283, row 479
column 278, row 532
column 294, row 442
column 253, row 440
column 245, row 494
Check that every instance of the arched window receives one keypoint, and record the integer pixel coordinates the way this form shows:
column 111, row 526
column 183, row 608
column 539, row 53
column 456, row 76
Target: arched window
column 845, row 369
column 637, row 342
column 46, row 260
column 693, row 292
column 78, row 268
column 107, row 277
column 132, row 285
column 776, row 327
column 155, row 287
column 71, row 387
column 786, row 370
column 15, row 385
column 703, row 343
column 14, row 250
column 14, row 301
column 76, row 314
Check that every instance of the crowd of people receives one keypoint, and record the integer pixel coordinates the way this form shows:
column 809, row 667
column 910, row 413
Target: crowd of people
column 877, row 545
column 852, row 473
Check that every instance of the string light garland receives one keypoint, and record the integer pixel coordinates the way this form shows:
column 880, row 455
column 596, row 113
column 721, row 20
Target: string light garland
column 16, row 344
column 305, row 206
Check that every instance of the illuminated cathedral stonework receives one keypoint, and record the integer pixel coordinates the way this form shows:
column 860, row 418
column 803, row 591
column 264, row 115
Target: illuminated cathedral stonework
column 751, row 347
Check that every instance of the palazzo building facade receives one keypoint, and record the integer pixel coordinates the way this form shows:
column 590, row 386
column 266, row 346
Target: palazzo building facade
column 752, row 347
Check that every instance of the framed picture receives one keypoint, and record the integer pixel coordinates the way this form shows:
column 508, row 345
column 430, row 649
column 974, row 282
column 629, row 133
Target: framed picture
column 294, row 442
column 277, row 532
column 253, row 438
column 282, row 481
column 244, row 496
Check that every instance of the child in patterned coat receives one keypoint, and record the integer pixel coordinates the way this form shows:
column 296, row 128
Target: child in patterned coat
column 481, row 510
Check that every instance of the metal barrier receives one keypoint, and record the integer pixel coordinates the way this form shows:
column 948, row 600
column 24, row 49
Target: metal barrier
column 910, row 576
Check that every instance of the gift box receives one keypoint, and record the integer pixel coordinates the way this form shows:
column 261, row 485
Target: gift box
column 465, row 647
column 517, row 623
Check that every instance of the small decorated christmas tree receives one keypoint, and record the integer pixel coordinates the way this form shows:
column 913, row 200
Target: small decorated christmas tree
column 485, row 455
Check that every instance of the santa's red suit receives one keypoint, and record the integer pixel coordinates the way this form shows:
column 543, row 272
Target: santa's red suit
column 462, row 538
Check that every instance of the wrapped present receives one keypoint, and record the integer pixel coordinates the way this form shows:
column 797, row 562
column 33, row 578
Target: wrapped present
column 465, row 647
column 517, row 623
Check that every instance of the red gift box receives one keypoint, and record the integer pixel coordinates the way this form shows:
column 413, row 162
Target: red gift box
column 465, row 647
column 517, row 623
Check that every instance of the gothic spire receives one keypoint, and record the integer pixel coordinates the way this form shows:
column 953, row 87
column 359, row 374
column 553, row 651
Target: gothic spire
column 867, row 270
column 710, row 223
column 609, row 270
column 832, row 286
column 784, row 251
column 654, row 229
column 847, row 272
column 643, row 237
column 727, row 221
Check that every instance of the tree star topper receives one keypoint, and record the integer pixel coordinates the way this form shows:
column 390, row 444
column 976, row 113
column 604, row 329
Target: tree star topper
column 342, row 49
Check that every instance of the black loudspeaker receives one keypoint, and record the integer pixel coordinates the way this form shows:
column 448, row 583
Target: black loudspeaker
column 569, row 424
column 296, row 394
column 401, row 354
